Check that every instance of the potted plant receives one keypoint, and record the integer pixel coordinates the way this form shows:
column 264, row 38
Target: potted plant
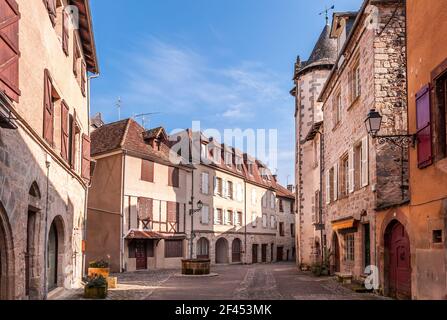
column 96, row 288
column 99, row 268
column 316, row 269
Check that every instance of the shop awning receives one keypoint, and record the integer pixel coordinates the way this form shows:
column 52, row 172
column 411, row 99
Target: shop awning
column 152, row 235
column 345, row 223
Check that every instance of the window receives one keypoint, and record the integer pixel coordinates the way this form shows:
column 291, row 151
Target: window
column 65, row 31
column 228, row 159
column 264, row 221
column 281, row 229
column 147, row 170
column 292, row 230
column 272, row 222
column 253, row 197
column 85, row 168
column 272, row 200
column 239, row 192
column 174, row 177
column 254, row 217
column 218, row 216
column 239, row 164
column 76, row 58
column 317, row 206
column 250, row 167
column 264, row 200
column 355, row 83
column 173, row 216
column 349, row 247
column 437, row 236
column 238, row 218
column 204, row 152
column 205, row 183
column 344, row 176
column 228, row 217
column 203, row 248
column 358, row 166
column 281, row 205
column 424, row 137
column 229, row 190
column 145, row 209
column 205, row 216
column 440, row 114
column 64, row 131
column 9, row 50
column 218, row 186
column 173, row 248
column 331, row 185
column 216, row 155
column 49, row 100
column 337, row 108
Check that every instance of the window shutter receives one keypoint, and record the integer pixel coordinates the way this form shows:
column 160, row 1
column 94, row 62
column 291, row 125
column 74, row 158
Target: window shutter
column 85, row 157
column 65, row 32
column 336, row 182
column 224, row 189
column 205, row 215
column 424, row 136
column 51, row 8
column 145, row 209
column 76, row 56
column 328, row 188
column 173, row 177
column 365, row 162
column 173, row 210
column 64, row 131
column 83, row 78
column 48, row 118
column 9, row 49
column 351, row 170
column 147, row 170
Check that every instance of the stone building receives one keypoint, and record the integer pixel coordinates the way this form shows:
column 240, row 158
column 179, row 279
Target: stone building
column 309, row 79
column 145, row 188
column 363, row 176
column 418, row 230
column 44, row 144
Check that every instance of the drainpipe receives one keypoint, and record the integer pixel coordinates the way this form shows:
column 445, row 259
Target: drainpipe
column 320, row 213
column 245, row 224
column 123, row 179
column 45, row 273
column 191, row 213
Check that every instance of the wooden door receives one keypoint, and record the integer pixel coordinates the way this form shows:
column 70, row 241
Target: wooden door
column 336, row 248
column 279, row 254
column 400, row 263
column 254, row 253
column 52, row 257
column 141, row 255
column 236, row 251
column 264, row 253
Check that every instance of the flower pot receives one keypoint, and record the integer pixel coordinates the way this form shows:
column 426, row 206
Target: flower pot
column 95, row 292
column 95, row 272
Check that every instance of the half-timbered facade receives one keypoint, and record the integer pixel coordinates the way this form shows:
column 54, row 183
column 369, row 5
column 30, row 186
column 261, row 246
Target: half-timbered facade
column 46, row 50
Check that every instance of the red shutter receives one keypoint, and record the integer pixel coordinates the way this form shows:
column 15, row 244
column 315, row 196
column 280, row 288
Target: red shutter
column 76, row 56
column 65, row 32
column 173, row 211
column 83, row 78
column 85, row 157
column 147, row 170
column 173, row 177
column 64, row 131
column 9, row 48
column 424, row 135
column 51, row 8
column 48, row 117
column 145, row 209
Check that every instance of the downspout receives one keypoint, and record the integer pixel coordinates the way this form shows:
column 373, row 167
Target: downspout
column 123, row 179
column 320, row 213
column 245, row 224
column 45, row 273
column 191, row 213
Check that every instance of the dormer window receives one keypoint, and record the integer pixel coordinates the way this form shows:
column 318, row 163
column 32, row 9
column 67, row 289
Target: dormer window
column 216, row 155
column 204, row 151
column 239, row 164
column 228, row 159
column 250, row 167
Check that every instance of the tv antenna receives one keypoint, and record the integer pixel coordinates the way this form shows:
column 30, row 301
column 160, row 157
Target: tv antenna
column 118, row 106
column 143, row 117
column 326, row 13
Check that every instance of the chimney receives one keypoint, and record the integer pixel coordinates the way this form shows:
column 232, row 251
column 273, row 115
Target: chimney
column 291, row 188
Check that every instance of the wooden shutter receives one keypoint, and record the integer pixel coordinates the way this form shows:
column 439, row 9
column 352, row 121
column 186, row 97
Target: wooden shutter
column 351, row 170
column 64, row 131
column 336, row 182
column 173, row 209
column 76, row 56
column 131, row 248
column 48, row 117
column 51, row 8
column 173, row 248
column 147, row 170
column 145, row 209
column 424, row 135
column 173, row 177
column 9, row 49
column 365, row 162
column 65, row 32
column 328, row 187
column 83, row 78
column 85, row 157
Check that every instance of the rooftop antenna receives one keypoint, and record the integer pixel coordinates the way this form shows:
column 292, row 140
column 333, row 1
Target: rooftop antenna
column 326, row 13
column 118, row 106
column 143, row 117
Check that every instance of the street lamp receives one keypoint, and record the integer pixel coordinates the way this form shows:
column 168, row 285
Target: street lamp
column 373, row 124
column 199, row 207
column 191, row 213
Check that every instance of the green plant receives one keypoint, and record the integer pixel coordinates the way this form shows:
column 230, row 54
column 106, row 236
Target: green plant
column 316, row 268
column 99, row 264
column 97, row 282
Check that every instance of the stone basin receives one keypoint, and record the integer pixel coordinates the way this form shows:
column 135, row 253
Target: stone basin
column 196, row 267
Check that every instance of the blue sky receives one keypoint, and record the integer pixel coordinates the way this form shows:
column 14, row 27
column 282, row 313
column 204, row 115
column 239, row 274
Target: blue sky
column 227, row 63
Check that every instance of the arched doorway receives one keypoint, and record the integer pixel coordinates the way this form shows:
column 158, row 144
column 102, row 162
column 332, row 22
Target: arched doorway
column 55, row 253
column 236, row 250
column 31, row 285
column 335, row 253
column 222, row 251
column 398, row 261
column 6, row 258
column 203, row 246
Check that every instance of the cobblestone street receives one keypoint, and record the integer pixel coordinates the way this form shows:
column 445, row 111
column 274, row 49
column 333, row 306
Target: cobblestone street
column 255, row 282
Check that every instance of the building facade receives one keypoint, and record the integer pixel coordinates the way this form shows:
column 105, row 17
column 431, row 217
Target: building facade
column 45, row 57
column 418, row 230
column 143, row 210
column 309, row 79
column 361, row 175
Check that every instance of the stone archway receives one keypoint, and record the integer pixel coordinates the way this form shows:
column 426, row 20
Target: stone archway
column 222, row 251
column 236, row 249
column 55, row 254
column 397, row 261
column 6, row 258
column 203, row 246
column 32, row 239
